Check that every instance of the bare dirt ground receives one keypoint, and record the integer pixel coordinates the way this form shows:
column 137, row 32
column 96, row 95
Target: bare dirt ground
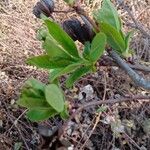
column 90, row 130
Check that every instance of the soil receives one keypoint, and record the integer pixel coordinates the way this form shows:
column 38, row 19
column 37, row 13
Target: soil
column 124, row 126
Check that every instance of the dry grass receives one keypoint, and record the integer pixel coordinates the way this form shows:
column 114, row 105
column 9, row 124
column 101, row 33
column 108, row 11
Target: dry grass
column 18, row 41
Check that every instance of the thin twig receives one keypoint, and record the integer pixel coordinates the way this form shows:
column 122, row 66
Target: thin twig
column 132, row 141
column 137, row 24
column 8, row 115
column 82, row 13
column 108, row 61
column 63, row 11
column 110, row 101
column 99, row 114
column 138, row 80
column 97, row 103
column 16, row 120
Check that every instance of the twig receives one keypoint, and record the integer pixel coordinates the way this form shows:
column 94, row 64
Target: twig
column 138, row 80
column 98, row 116
column 110, row 101
column 8, row 115
column 96, row 103
column 137, row 24
column 63, row 11
column 139, row 27
column 140, row 67
column 16, row 120
column 132, row 141
column 82, row 13
column 108, row 61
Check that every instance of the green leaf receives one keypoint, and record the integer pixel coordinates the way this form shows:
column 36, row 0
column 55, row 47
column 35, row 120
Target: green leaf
column 30, row 102
column 54, row 97
column 18, row 146
column 102, row 109
column 44, row 61
column 31, row 92
column 97, row 46
column 70, row 2
column 53, row 49
column 59, row 72
column 65, row 114
column 33, row 89
column 41, row 114
column 76, row 75
column 128, row 53
column 53, row 73
column 108, row 14
column 42, row 34
column 60, row 62
column 128, row 39
column 35, row 84
column 114, row 38
column 86, row 51
column 62, row 38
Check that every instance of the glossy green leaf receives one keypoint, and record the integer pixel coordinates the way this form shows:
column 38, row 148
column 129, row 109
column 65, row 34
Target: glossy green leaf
column 54, row 97
column 108, row 14
column 114, row 38
column 62, row 38
column 44, row 61
column 76, row 75
column 97, row 46
column 41, row 114
column 59, row 72
column 53, row 49
column 30, row 102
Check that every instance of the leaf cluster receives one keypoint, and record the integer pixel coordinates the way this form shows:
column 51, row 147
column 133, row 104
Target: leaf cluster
column 62, row 57
column 110, row 23
column 42, row 101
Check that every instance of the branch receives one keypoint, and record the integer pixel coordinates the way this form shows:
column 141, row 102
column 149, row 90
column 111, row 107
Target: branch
column 137, row 24
column 111, row 101
column 97, row 103
column 138, row 80
column 108, row 61
column 86, row 17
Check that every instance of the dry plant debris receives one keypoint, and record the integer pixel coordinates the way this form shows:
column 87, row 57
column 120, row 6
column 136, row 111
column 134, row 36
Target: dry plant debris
column 90, row 129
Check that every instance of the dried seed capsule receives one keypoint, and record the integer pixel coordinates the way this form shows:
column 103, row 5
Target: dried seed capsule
column 88, row 33
column 73, row 28
column 77, row 31
column 45, row 7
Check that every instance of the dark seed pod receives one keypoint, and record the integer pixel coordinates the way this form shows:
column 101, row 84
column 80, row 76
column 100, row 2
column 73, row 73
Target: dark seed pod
column 77, row 31
column 45, row 7
column 73, row 28
column 88, row 33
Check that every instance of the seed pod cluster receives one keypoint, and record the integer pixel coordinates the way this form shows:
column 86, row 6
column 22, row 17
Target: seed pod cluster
column 78, row 31
column 45, row 7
